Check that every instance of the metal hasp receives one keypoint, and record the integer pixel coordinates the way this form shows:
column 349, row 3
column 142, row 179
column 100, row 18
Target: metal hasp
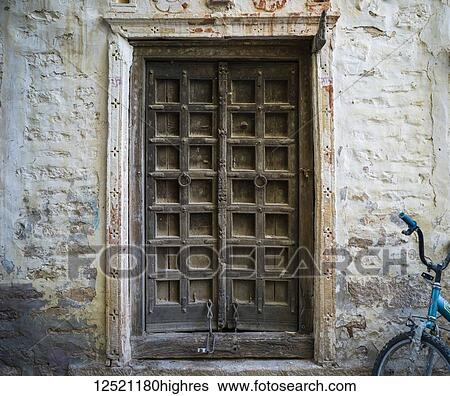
column 236, row 319
column 210, row 341
column 320, row 38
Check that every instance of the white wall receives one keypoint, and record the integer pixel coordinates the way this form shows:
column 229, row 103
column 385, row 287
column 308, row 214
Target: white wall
column 391, row 124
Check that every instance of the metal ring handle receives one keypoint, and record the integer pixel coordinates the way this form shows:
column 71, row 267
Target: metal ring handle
column 184, row 179
column 260, row 181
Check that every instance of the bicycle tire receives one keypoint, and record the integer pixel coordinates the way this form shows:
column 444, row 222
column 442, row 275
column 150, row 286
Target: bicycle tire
column 400, row 339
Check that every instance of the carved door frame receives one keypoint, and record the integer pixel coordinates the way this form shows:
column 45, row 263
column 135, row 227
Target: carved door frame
column 122, row 116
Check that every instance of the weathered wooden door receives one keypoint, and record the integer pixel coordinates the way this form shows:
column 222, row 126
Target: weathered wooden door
column 222, row 196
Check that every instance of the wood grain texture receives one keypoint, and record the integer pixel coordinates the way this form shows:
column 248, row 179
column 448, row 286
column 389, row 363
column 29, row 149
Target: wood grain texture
column 251, row 345
column 247, row 127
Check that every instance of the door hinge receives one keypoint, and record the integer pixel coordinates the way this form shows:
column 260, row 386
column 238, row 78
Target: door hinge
column 320, row 38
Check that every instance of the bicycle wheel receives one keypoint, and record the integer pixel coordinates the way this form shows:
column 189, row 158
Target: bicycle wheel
column 432, row 358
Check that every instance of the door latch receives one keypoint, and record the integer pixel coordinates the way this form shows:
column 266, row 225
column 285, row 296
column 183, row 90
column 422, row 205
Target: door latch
column 210, row 341
column 235, row 347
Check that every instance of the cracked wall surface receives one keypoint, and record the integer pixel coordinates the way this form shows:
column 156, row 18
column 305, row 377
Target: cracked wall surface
column 391, row 73
column 53, row 136
column 391, row 70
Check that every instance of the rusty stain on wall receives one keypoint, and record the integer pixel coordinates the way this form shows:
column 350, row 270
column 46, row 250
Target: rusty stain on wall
column 391, row 151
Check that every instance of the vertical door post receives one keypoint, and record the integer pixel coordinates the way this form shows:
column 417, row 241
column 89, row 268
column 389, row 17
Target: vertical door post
column 222, row 193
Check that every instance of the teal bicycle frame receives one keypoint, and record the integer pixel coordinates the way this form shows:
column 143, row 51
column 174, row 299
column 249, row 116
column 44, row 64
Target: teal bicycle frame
column 438, row 304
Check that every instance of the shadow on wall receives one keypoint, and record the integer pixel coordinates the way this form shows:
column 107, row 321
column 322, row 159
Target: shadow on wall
column 41, row 342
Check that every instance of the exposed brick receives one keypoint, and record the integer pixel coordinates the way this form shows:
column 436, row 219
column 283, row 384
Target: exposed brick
column 390, row 83
column 22, row 292
column 8, row 314
column 397, row 292
column 80, row 294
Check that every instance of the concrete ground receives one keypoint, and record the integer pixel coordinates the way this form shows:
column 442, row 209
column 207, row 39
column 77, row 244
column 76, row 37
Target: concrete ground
column 220, row 367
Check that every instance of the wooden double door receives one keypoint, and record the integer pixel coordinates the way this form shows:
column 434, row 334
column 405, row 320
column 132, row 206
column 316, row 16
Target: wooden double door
column 221, row 196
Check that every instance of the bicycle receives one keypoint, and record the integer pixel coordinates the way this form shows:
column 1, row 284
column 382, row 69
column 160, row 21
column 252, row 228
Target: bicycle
column 419, row 351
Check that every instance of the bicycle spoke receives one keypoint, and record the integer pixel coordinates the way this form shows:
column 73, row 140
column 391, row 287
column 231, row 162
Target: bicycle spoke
column 432, row 357
column 405, row 359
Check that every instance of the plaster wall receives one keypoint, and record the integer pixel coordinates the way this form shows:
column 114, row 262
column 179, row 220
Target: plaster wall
column 391, row 70
column 391, row 122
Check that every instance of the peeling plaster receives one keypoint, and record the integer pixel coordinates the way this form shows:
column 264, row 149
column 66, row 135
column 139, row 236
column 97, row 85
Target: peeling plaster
column 391, row 118
column 392, row 153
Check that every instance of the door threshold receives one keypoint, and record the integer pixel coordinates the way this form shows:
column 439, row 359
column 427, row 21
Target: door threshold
column 262, row 345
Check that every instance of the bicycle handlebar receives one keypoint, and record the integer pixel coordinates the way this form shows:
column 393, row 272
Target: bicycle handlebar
column 414, row 227
column 446, row 261
column 412, row 224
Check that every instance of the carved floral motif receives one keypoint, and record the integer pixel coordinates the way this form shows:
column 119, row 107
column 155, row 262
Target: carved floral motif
column 269, row 5
column 171, row 6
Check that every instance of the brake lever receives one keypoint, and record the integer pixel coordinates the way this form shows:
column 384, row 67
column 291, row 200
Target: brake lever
column 408, row 232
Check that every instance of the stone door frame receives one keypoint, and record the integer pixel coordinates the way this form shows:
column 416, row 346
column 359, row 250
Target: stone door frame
column 125, row 29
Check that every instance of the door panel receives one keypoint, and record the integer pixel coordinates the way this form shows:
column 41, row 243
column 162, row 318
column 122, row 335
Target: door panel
column 221, row 194
column 181, row 221
column 262, row 206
